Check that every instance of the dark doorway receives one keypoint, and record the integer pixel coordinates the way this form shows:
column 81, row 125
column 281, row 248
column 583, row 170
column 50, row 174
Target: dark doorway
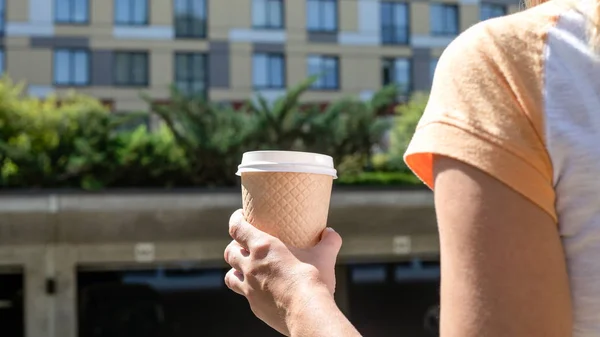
column 163, row 302
column 388, row 300
column 11, row 305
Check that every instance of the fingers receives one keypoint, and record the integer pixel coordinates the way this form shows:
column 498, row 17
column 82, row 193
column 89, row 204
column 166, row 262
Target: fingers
column 330, row 243
column 234, row 255
column 234, row 280
column 243, row 232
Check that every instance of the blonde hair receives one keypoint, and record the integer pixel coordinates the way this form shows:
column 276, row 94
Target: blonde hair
column 593, row 19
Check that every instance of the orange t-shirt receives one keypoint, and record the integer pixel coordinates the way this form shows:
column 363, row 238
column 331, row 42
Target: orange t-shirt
column 518, row 97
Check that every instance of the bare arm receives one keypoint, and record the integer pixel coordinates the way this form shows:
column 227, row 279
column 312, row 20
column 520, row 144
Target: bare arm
column 319, row 316
column 503, row 266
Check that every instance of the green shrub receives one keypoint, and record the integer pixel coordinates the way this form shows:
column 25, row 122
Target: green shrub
column 211, row 138
column 50, row 143
column 75, row 142
column 405, row 124
column 151, row 159
column 380, row 179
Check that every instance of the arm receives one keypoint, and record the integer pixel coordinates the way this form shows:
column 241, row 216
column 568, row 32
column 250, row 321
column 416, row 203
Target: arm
column 319, row 317
column 503, row 267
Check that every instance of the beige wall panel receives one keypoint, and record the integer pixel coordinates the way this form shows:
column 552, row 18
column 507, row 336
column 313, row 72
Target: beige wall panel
column 310, row 96
column 33, row 66
column 469, row 15
column 241, row 66
column 227, row 14
column 16, row 42
column 158, row 45
column 17, row 10
column 437, row 52
column 296, row 68
column 229, row 95
column 325, row 96
column 515, row 8
column 102, row 14
column 161, row 68
column 392, row 52
column 134, row 104
column 161, row 12
column 419, row 18
column 295, row 20
column 98, row 32
column 359, row 73
column 348, row 15
column 119, row 93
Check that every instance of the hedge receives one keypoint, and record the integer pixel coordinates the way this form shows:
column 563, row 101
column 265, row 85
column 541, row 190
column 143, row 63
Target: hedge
column 75, row 142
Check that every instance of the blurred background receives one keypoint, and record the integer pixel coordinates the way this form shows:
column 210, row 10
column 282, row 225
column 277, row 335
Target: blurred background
column 121, row 126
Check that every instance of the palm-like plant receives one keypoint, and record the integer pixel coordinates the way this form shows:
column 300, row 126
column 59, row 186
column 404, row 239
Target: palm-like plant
column 350, row 127
column 212, row 138
column 283, row 123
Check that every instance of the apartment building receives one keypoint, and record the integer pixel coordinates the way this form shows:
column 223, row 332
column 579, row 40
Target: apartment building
column 229, row 50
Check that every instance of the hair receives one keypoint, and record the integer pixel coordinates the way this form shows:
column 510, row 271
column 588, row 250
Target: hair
column 593, row 19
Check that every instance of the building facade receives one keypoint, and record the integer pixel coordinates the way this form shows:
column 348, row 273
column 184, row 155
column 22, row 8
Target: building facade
column 229, row 50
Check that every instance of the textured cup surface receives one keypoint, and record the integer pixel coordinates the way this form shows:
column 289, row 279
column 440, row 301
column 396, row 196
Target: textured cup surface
column 288, row 205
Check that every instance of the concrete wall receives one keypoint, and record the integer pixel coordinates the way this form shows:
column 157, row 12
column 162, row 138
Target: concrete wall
column 50, row 235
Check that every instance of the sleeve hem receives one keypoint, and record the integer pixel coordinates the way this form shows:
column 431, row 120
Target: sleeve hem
column 438, row 138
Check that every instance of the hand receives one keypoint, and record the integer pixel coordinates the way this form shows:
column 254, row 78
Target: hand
column 275, row 278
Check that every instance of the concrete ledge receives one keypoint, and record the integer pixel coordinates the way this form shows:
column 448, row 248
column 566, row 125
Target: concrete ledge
column 367, row 219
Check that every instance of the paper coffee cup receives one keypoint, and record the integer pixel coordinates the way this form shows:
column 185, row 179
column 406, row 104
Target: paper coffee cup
column 287, row 194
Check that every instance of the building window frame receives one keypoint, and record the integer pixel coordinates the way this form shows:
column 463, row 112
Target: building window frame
column 72, row 54
column 131, row 19
column 130, row 81
column 492, row 7
column 390, row 65
column 70, row 16
column 191, row 6
column 2, row 61
column 271, row 81
column 395, row 37
column 2, row 17
column 266, row 7
column 322, row 82
column 432, row 66
column 188, row 77
column 444, row 7
column 321, row 8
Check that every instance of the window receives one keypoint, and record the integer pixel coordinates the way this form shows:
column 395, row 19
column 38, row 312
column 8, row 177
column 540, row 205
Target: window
column 268, row 71
column 444, row 19
column 397, row 71
column 190, row 18
column 71, row 67
column 71, row 11
column 267, row 14
column 488, row 11
column 2, row 62
column 2, row 15
column 394, row 23
column 321, row 15
column 131, row 12
column 191, row 73
column 131, row 68
column 327, row 67
column 432, row 65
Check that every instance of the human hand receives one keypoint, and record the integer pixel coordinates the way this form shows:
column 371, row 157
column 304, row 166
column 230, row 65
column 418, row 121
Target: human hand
column 277, row 279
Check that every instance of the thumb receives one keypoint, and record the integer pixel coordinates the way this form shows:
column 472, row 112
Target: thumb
column 331, row 242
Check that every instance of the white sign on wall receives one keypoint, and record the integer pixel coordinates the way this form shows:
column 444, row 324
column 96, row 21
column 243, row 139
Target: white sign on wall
column 401, row 245
column 144, row 252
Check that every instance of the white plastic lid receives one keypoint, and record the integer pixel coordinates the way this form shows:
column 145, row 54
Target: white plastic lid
column 287, row 161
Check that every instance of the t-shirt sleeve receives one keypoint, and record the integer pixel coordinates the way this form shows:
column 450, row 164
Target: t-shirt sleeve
column 486, row 109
